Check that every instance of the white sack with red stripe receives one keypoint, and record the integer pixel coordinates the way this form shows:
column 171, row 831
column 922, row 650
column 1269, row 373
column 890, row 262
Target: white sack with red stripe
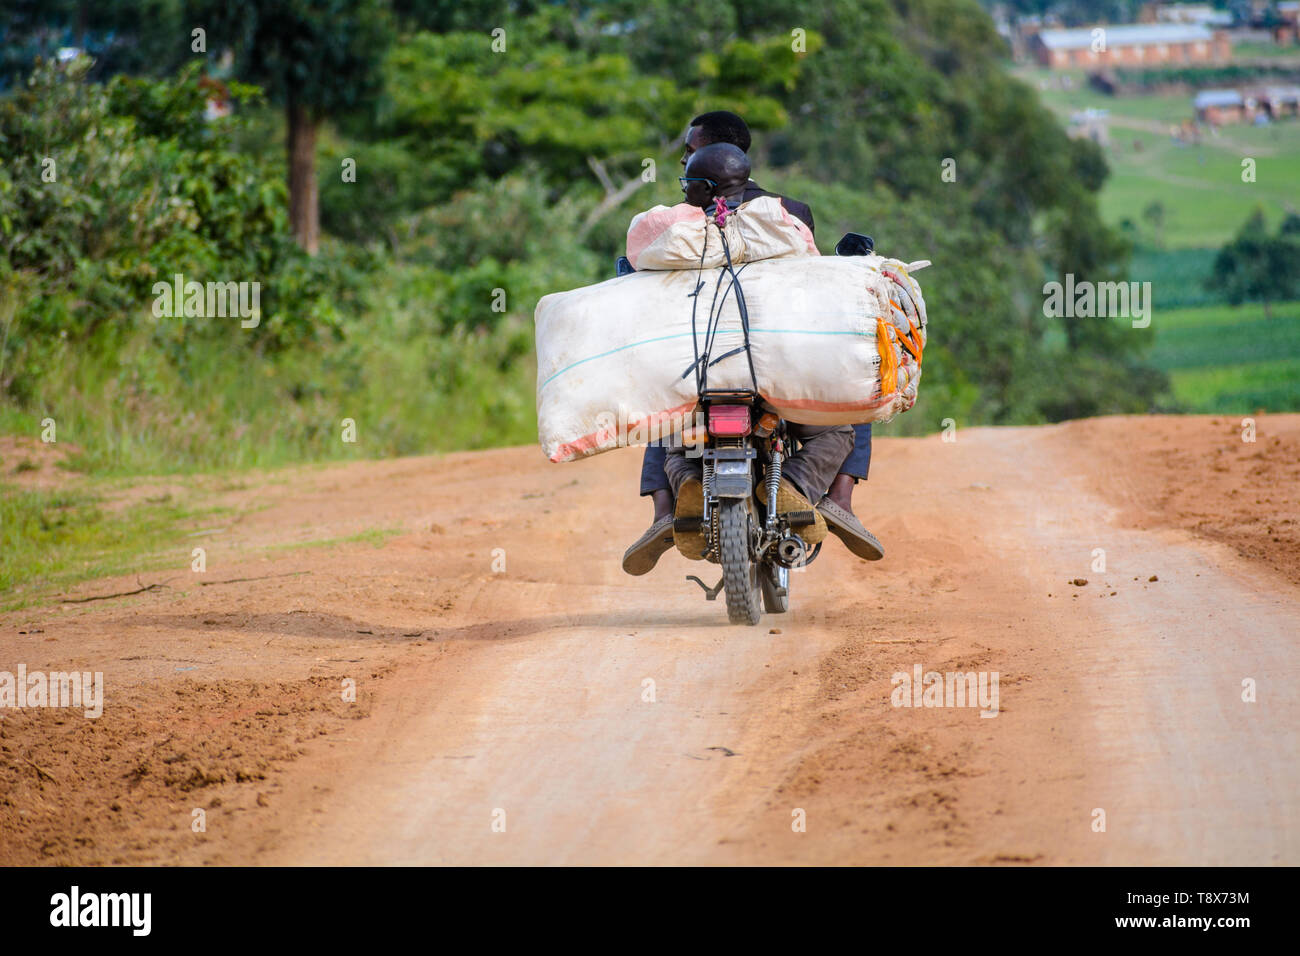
column 835, row 341
column 682, row 237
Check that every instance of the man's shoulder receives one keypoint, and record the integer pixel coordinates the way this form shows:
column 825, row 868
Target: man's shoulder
column 800, row 210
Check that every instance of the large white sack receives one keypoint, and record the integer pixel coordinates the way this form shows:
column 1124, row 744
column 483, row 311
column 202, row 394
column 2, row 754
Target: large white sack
column 611, row 357
column 683, row 237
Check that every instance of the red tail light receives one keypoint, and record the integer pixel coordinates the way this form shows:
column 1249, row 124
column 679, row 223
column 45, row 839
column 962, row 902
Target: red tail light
column 728, row 420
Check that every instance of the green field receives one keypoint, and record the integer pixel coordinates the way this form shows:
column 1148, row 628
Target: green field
column 1219, row 358
column 1230, row 360
column 1205, row 200
column 1264, row 51
column 1177, row 276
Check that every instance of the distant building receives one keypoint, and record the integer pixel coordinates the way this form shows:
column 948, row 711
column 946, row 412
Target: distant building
column 1288, row 31
column 1197, row 13
column 1279, row 101
column 1155, row 44
column 1218, row 107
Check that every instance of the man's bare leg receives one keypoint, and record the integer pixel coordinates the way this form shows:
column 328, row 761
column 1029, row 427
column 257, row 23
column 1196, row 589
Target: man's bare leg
column 841, row 491
column 663, row 502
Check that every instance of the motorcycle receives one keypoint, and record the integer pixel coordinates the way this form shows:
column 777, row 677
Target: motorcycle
column 743, row 447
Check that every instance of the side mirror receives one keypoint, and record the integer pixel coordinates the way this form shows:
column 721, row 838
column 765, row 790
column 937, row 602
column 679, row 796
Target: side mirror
column 855, row 244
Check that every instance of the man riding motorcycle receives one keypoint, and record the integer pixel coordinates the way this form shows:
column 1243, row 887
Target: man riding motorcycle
column 716, row 179
column 835, row 508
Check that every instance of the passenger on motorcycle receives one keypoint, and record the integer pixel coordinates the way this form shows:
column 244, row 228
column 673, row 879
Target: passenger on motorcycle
column 715, row 180
column 836, row 507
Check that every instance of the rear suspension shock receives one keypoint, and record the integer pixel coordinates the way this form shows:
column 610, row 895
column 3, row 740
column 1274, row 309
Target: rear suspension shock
column 773, row 482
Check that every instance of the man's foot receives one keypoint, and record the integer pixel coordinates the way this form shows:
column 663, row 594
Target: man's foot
column 650, row 547
column 690, row 504
column 845, row 526
column 790, row 498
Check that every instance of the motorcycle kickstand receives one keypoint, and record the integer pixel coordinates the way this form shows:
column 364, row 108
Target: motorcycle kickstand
column 711, row 593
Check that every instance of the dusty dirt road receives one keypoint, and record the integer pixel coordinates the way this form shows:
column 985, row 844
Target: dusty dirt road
column 520, row 700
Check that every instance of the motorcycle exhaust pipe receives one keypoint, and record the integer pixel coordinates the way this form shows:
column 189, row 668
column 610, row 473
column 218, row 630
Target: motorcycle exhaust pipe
column 791, row 551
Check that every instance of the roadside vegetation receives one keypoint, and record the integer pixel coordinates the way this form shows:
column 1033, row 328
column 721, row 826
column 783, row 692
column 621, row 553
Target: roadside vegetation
column 462, row 174
column 483, row 180
column 52, row 538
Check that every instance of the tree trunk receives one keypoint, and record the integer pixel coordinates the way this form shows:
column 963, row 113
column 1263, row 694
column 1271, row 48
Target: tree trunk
column 304, row 204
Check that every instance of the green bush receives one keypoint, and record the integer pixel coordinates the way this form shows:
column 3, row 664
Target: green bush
column 1200, row 77
column 110, row 189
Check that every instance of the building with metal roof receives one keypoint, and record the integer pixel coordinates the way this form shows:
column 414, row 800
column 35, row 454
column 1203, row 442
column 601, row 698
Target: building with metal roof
column 1133, row 44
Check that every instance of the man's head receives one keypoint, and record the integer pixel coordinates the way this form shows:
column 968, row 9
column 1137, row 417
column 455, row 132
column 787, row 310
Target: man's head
column 716, row 127
column 719, row 169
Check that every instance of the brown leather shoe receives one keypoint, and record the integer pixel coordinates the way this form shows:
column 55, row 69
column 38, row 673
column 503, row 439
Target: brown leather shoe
column 650, row 547
column 845, row 526
column 690, row 504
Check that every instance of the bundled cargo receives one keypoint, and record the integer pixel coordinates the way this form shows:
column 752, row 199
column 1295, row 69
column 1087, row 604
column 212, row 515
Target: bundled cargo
column 682, row 237
column 831, row 340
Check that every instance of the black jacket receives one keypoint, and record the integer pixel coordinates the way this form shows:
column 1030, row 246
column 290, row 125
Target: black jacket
column 799, row 210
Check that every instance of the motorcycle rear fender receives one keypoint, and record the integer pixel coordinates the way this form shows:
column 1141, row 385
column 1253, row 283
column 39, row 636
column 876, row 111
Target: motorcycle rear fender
column 731, row 471
column 731, row 478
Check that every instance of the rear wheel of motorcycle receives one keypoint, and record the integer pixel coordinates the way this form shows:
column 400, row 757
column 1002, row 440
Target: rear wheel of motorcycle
column 739, row 571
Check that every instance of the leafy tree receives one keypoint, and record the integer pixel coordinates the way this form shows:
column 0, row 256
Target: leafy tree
column 1154, row 216
column 1073, row 13
column 316, row 58
column 455, row 114
column 445, row 16
column 1258, row 267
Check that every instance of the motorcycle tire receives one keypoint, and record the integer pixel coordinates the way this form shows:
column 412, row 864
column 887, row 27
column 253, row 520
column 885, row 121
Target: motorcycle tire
column 740, row 575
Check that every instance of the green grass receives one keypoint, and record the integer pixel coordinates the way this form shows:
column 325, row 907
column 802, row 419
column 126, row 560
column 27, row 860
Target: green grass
column 52, row 539
column 1205, row 201
column 1240, row 389
column 1264, row 51
column 409, row 386
column 1200, row 186
column 1230, row 360
column 375, row 537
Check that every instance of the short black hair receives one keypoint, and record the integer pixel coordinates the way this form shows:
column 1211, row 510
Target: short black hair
column 721, row 126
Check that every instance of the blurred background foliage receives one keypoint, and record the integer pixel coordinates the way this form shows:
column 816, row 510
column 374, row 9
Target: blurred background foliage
column 477, row 171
